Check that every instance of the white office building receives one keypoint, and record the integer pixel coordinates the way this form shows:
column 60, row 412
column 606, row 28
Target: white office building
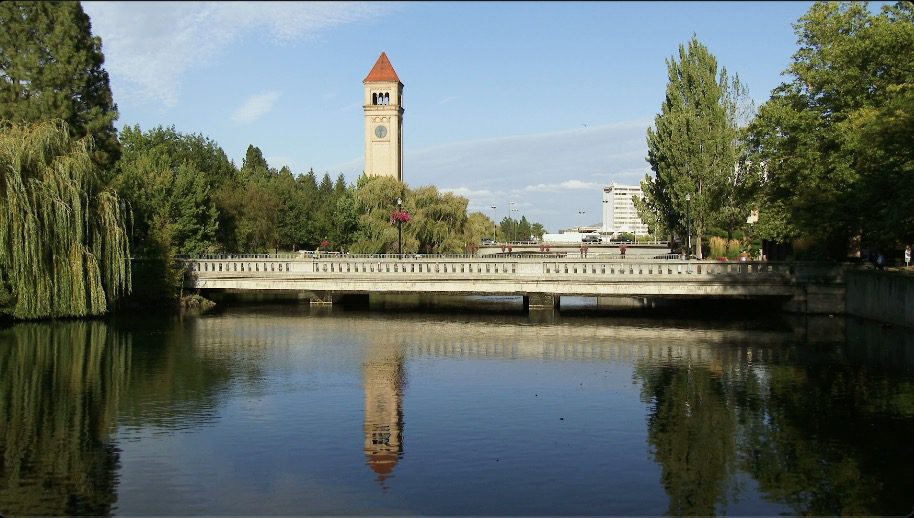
column 619, row 213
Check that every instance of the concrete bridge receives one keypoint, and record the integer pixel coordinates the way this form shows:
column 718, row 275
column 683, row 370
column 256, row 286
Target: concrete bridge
column 540, row 280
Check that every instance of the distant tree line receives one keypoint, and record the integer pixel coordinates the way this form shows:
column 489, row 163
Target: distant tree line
column 510, row 229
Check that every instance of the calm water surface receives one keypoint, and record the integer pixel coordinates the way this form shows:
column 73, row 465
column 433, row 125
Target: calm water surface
column 285, row 409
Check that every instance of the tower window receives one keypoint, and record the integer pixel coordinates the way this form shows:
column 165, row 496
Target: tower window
column 380, row 98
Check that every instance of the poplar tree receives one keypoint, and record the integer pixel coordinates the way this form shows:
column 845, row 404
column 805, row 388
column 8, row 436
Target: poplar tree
column 51, row 68
column 692, row 146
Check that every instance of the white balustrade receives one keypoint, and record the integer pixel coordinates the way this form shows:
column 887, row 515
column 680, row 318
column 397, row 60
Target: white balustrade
column 461, row 266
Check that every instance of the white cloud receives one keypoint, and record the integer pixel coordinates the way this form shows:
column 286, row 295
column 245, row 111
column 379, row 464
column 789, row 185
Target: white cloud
column 256, row 107
column 149, row 46
column 466, row 192
column 569, row 185
column 448, row 99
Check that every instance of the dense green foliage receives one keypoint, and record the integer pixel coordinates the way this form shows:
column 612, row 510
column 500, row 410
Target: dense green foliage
column 63, row 242
column 478, row 226
column 511, row 229
column 51, row 68
column 693, row 149
column 263, row 209
column 438, row 222
column 836, row 139
column 169, row 180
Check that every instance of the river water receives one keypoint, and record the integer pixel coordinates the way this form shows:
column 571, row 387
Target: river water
column 281, row 408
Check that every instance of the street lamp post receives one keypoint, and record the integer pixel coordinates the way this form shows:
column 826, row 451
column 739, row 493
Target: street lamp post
column 581, row 212
column 399, row 229
column 514, row 218
column 689, row 224
column 494, row 225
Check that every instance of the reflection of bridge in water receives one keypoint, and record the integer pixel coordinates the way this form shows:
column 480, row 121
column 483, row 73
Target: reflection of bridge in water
column 502, row 337
column 384, row 346
column 541, row 281
column 422, row 337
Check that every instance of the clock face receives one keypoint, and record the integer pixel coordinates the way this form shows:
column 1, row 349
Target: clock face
column 380, row 131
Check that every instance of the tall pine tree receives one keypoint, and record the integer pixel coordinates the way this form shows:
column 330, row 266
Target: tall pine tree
column 51, row 68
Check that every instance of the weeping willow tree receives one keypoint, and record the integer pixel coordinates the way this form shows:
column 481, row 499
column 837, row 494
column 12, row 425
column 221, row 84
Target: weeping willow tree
column 63, row 243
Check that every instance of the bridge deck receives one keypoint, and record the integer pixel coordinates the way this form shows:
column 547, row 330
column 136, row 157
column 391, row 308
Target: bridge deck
column 600, row 276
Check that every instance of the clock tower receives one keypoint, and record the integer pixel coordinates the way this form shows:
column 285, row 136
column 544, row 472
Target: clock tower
column 383, row 121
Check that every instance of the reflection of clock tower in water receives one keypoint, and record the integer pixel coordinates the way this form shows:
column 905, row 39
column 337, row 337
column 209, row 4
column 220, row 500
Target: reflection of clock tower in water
column 383, row 121
column 384, row 379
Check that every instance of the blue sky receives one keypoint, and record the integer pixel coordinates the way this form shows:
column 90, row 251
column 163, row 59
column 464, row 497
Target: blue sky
column 537, row 103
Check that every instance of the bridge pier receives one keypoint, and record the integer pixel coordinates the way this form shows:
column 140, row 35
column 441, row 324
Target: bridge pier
column 541, row 301
column 320, row 298
column 624, row 303
column 817, row 299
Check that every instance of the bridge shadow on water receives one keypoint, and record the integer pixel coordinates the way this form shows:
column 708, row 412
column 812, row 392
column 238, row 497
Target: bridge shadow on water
column 704, row 313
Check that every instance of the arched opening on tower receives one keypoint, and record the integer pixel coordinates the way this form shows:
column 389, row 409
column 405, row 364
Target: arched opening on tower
column 374, row 98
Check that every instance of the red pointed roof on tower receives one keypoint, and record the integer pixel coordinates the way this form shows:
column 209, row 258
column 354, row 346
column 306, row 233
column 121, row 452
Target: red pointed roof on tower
column 382, row 71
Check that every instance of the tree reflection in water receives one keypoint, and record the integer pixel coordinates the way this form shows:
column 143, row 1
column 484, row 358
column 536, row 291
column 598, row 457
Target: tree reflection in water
column 59, row 393
column 830, row 435
column 691, row 430
column 817, row 429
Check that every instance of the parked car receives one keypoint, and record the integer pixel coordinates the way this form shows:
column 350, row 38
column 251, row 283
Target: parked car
column 592, row 238
column 487, row 241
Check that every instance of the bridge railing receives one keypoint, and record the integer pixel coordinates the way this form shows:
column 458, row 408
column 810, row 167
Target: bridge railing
column 308, row 256
column 454, row 266
column 666, row 267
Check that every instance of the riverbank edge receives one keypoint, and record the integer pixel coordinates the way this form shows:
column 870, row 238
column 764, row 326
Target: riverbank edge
column 882, row 296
